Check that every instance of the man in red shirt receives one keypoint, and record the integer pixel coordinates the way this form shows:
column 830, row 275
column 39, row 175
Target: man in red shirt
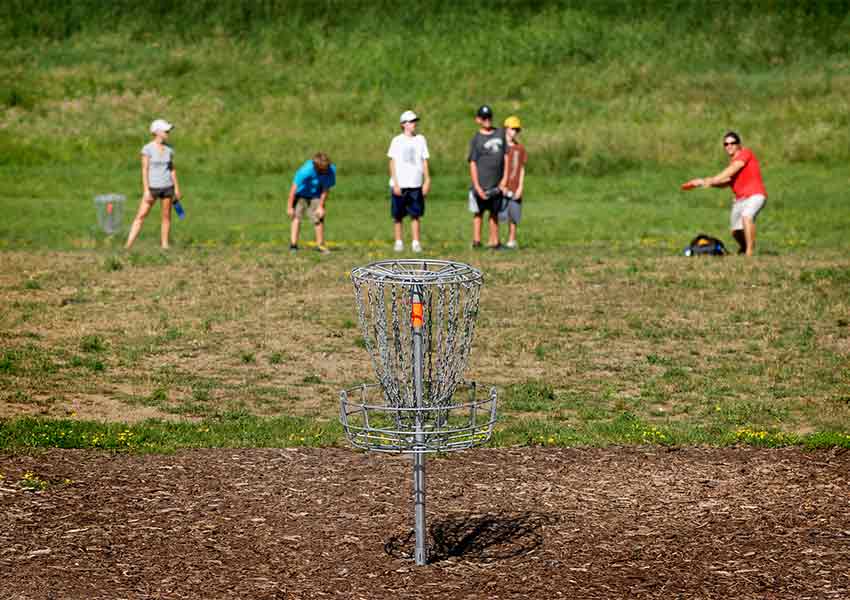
column 743, row 175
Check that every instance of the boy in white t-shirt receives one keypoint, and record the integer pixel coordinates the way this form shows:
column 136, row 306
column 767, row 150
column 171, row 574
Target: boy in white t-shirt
column 410, row 180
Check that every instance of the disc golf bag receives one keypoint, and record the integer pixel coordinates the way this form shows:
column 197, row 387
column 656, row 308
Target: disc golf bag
column 705, row 245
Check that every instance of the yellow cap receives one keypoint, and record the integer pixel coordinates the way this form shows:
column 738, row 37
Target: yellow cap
column 513, row 122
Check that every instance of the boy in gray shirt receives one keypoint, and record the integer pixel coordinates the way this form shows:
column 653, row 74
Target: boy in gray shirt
column 486, row 170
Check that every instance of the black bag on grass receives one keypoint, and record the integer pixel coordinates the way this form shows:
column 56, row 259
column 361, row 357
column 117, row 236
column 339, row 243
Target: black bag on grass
column 705, row 245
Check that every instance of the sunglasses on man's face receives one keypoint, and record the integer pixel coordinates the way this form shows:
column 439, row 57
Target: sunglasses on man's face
column 729, row 143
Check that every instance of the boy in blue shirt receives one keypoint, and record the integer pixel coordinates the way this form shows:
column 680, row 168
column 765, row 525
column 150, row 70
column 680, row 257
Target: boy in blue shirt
column 308, row 194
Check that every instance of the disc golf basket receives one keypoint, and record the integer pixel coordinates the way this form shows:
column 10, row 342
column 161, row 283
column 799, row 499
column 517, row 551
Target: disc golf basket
column 110, row 212
column 417, row 319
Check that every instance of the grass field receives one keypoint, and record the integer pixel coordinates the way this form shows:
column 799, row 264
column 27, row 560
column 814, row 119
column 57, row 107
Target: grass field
column 597, row 331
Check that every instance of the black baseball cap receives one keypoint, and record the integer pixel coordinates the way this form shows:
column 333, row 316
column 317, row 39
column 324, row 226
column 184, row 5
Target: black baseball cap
column 485, row 112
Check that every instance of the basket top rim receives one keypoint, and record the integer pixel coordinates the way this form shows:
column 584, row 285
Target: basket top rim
column 110, row 198
column 415, row 272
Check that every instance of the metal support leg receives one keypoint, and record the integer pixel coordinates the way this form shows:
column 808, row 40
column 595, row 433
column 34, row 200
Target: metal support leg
column 419, row 508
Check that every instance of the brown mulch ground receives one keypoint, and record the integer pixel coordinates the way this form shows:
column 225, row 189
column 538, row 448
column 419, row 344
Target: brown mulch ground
column 516, row 523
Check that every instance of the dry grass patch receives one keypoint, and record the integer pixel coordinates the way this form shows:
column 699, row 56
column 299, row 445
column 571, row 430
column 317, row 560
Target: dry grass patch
column 196, row 334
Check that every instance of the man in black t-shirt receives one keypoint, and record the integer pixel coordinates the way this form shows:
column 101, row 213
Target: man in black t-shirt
column 486, row 170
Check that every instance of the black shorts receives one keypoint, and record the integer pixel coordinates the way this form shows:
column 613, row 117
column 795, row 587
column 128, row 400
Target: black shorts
column 411, row 204
column 166, row 192
column 491, row 204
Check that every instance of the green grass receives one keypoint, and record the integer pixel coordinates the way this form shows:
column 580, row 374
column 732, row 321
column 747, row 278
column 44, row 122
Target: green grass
column 239, row 430
column 596, row 331
column 638, row 212
column 235, row 430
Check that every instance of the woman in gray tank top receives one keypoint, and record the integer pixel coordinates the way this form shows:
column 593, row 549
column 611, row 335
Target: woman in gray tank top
column 159, row 180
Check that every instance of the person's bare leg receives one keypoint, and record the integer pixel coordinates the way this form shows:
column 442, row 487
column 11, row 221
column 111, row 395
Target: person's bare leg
column 165, row 227
column 493, row 226
column 320, row 233
column 749, row 235
column 293, row 231
column 738, row 234
column 512, row 232
column 397, row 230
column 414, row 230
column 476, row 228
column 138, row 221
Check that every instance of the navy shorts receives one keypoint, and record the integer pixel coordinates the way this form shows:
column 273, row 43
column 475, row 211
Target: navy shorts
column 411, row 203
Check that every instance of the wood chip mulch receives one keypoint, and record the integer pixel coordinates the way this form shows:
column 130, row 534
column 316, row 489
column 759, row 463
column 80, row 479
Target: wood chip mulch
column 730, row 523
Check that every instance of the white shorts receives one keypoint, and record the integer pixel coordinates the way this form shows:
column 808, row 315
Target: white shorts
column 747, row 207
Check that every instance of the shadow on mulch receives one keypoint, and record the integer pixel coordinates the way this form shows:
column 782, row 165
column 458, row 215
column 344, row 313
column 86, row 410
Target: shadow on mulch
column 475, row 537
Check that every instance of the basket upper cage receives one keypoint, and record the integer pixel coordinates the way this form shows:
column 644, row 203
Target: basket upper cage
column 418, row 272
column 449, row 294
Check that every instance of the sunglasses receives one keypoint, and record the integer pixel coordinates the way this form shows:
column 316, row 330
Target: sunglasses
column 730, row 143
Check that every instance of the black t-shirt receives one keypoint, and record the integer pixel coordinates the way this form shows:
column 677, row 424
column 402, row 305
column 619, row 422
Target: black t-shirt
column 488, row 152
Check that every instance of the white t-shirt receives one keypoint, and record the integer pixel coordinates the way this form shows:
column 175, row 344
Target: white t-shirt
column 409, row 154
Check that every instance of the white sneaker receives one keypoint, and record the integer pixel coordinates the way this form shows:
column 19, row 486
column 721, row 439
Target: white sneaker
column 512, row 244
column 416, row 246
column 398, row 246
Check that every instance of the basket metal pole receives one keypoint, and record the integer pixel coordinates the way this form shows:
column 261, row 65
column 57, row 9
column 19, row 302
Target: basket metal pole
column 419, row 456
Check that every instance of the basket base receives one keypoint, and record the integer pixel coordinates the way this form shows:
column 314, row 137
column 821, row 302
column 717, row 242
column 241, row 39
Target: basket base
column 370, row 424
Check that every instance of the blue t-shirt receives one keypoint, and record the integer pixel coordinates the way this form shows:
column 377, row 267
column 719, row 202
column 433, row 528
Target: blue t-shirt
column 309, row 183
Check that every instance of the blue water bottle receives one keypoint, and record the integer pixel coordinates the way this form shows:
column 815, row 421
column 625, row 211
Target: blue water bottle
column 178, row 208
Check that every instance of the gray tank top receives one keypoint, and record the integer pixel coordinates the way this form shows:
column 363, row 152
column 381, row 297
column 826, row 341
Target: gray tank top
column 160, row 165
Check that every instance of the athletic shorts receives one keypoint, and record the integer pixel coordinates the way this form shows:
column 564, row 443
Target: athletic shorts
column 166, row 192
column 308, row 206
column 493, row 204
column 411, row 204
column 512, row 212
column 745, row 207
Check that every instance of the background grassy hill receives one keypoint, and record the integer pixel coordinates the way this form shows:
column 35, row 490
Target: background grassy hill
column 254, row 86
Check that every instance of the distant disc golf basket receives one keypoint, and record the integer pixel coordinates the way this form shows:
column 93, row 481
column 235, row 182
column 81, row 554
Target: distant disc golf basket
column 418, row 319
column 110, row 212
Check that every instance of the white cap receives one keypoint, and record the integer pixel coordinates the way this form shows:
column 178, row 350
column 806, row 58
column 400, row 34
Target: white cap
column 408, row 115
column 161, row 125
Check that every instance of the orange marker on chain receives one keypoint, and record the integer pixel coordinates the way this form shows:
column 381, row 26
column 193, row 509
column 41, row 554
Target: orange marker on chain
column 416, row 315
column 109, row 208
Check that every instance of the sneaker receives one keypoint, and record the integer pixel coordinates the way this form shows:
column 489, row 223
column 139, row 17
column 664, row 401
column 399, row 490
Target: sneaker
column 322, row 250
column 398, row 246
column 496, row 247
column 293, row 248
column 476, row 244
column 512, row 245
column 416, row 246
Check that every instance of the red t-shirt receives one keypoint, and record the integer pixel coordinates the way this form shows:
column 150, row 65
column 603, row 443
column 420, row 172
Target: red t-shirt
column 516, row 158
column 747, row 182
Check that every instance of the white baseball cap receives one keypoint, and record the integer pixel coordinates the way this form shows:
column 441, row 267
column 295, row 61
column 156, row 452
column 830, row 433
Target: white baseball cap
column 161, row 125
column 408, row 115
